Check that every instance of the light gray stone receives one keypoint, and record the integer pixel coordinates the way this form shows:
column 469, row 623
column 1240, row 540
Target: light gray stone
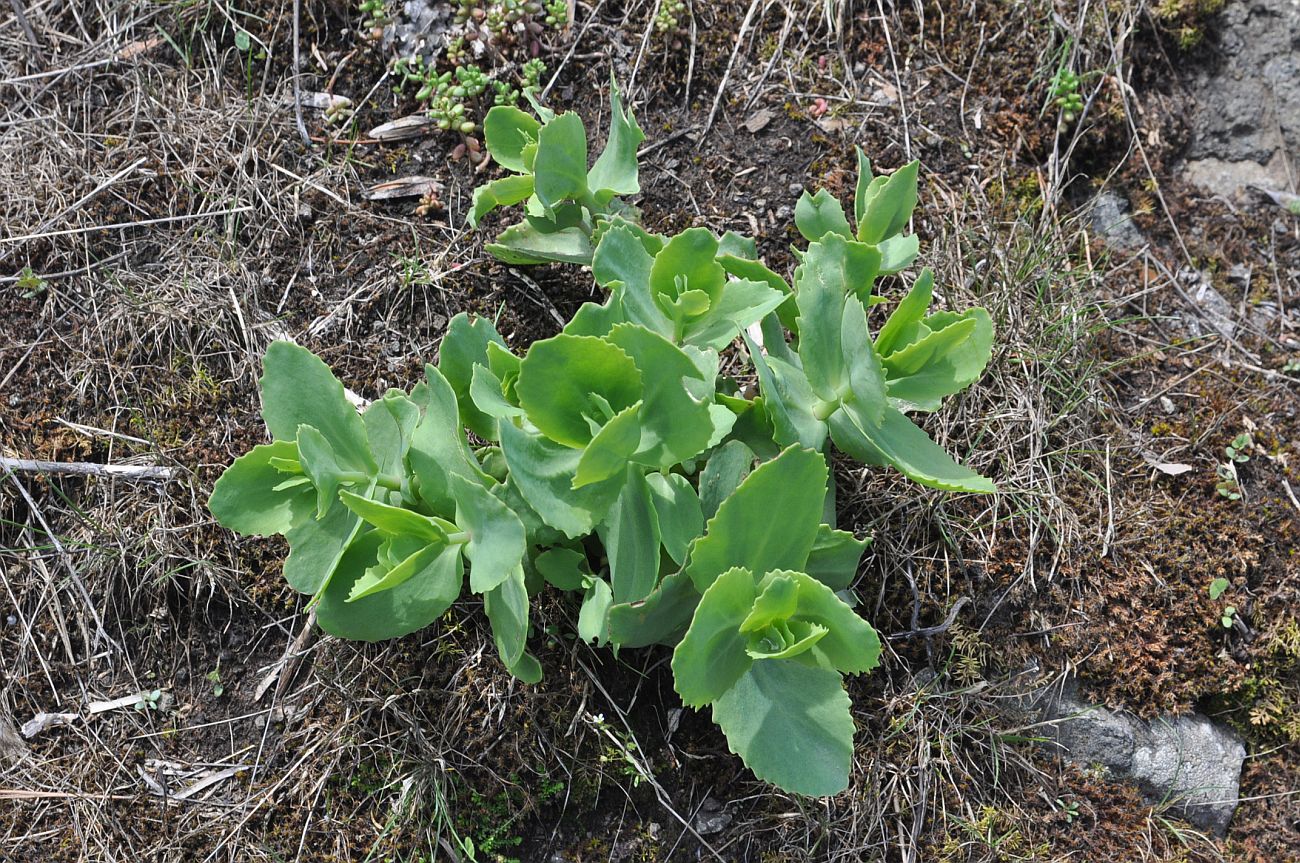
column 1110, row 219
column 1189, row 763
column 1247, row 105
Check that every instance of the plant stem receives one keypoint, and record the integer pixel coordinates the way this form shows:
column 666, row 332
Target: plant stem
column 822, row 410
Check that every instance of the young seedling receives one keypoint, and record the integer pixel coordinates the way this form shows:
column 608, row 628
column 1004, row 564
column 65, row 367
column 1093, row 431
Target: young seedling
column 1239, row 450
column 149, row 701
column 1227, row 485
column 214, row 677
column 1229, row 616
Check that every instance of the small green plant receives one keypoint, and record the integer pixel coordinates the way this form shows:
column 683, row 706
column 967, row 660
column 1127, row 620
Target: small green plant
column 1065, row 94
column 557, row 13
column 1227, row 485
column 1239, row 449
column 214, row 677
column 668, row 17
column 620, row 750
column 374, row 17
column 456, row 93
column 1068, row 808
column 617, row 462
column 1237, row 452
column 1229, row 616
column 1217, row 588
column 1292, row 366
column 30, row 284
column 149, row 701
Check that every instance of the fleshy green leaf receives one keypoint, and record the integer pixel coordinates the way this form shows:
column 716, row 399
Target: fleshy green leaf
column 941, row 363
column 902, row 321
column 785, row 640
column 496, row 536
column 660, row 618
column 738, row 246
column 631, row 538
column 832, row 270
column 429, row 562
column 608, row 453
column 864, row 182
column 677, row 512
column 899, row 443
column 438, row 446
column 299, row 389
column 928, row 350
column 390, row 421
column 563, row 568
column 891, row 205
column 790, row 724
column 897, row 253
column 711, row 657
column 560, row 166
column 622, row 264
column 615, row 170
column 769, row 522
column 851, row 645
column 543, row 471
column 834, row 557
column 559, row 375
column 741, row 304
column 865, row 376
column 411, row 605
column 776, row 601
column 506, row 130
column 320, row 464
column 788, row 400
column 757, row 271
column 596, row 319
column 675, row 425
column 687, row 263
column 245, row 498
column 463, row 347
column 722, row 475
column 506, row 606
column 526, row 669
column 524, row 244
column 394, row 520
column 593, row 616
column 485, row 389
column 818, row 215
column 317, row 545
column 502, row 192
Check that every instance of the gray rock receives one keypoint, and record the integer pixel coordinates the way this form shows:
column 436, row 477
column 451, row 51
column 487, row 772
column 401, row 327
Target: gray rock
column 1248, row 106
column 1189, row 763
column 1212, row 309
column 711, row 818
column 421, row 29
column 1109, row 218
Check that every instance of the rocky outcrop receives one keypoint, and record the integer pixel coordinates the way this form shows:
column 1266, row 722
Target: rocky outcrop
column 1246, row 123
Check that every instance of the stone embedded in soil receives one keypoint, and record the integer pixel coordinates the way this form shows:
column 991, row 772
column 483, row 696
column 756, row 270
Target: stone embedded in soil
column 1246, row 123
column 1190, row 763
column 421, row 28
column 1110, row 219
column 1212, row 309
